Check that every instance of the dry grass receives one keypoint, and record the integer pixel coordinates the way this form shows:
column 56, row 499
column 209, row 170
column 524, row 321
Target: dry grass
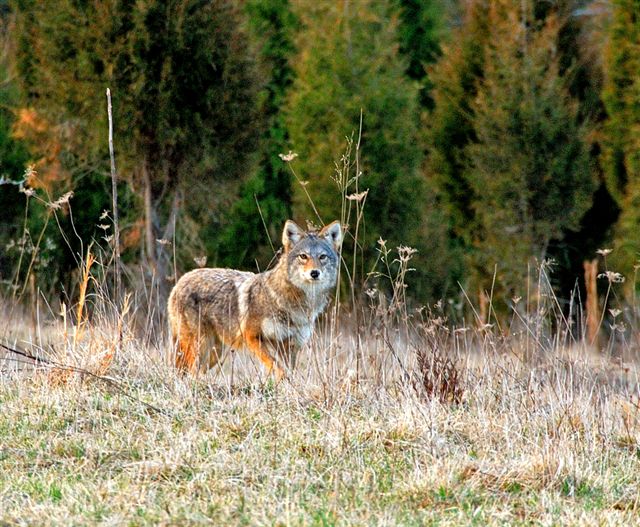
column 351, row 439
column 392, row 417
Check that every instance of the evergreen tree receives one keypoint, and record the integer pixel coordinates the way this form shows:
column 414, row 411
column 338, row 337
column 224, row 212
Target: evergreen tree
column 13, row 160
column 349, row 62
column 183, row 83
column 450, row 124
column 449, row 129
column 580, row 45
column 244, row 241
column 529, row 164
column 621, row 153
column 420, row 30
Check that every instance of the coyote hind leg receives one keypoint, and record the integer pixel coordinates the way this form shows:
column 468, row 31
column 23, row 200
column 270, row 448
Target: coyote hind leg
column 195, row 351
column 212, row 352
column 187, row 342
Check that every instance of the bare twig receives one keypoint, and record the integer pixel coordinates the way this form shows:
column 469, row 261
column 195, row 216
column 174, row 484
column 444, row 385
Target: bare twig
column 114, row 189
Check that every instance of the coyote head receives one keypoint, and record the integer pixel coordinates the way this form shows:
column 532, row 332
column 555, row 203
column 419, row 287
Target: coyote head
column 312, row 257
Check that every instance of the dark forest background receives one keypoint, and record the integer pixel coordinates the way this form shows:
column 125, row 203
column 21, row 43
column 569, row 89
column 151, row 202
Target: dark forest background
column 489, row 135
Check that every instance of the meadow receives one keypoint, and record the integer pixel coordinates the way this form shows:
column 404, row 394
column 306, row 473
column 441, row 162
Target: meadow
column 489, row 136
column 395, row 416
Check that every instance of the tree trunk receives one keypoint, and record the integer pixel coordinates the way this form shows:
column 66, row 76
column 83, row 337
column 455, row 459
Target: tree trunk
column 157, row 247
column 165, row 247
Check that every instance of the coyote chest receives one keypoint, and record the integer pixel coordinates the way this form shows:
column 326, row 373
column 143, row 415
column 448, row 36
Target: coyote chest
column 276, row 330
column 281, row 328
column 278, row 311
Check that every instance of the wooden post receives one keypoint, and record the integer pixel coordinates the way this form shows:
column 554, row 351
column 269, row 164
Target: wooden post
column 148, row 219
column 593, row 314
column 483, row 307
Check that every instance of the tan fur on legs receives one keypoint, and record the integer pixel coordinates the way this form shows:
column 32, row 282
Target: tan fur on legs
column 254, row 344
column 187, row 350
column 211, row 351
column 287, row 352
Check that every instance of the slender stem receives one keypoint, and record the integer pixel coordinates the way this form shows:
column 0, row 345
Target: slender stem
column 114, row 188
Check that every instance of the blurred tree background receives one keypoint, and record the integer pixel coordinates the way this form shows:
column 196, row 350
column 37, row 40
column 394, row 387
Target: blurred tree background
column 489, row 135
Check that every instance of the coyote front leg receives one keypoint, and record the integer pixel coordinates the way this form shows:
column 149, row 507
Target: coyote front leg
column 256, row 346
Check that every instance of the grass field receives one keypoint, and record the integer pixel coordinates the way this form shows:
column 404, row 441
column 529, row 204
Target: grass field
column 542, row 430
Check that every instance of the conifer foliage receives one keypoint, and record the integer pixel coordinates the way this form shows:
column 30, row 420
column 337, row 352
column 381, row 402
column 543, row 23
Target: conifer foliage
column 184, row 89
column 621, row 158
column 265, row 199
column 420, row 31
column 13, row 158
column 348, row 61
column 528, row 165
column 486, row 134
column 450, row 126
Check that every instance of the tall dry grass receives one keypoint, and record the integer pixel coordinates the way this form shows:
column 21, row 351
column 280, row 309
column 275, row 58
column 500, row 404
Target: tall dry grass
column 393, row 416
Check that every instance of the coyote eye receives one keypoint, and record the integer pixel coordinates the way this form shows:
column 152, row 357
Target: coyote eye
column 323, row 257
column 303, row 257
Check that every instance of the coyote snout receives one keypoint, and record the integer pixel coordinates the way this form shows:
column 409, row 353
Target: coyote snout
column 271, row 313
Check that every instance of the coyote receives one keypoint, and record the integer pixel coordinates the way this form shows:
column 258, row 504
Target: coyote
column 270, row 313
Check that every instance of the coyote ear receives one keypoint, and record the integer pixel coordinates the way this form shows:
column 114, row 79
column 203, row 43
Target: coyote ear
column 291, row 234
column 333, row 233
